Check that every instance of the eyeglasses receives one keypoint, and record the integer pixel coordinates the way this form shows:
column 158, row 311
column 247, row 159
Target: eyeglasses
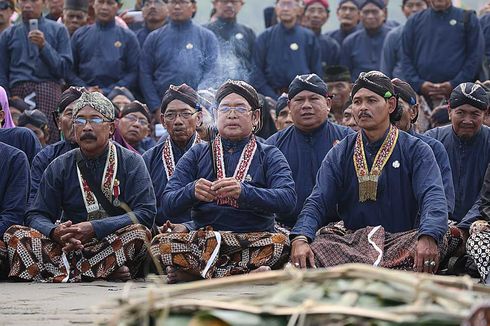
column 239, row 110
column 5, row 5
column 171, row 116
column 153, row 2
column 132, row 118
column 93, row 121
column 179, row 2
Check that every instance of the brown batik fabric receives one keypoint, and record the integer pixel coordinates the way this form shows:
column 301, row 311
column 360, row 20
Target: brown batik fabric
column 217, row 254
column 478, row 247
column 34, row 257
column 334, row 245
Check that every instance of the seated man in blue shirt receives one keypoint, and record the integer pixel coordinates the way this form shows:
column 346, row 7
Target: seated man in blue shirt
column 234, row 186
column 386, row 187
column 90, row 216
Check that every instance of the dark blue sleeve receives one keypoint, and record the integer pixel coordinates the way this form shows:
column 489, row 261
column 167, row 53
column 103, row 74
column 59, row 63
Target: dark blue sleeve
column 72, row 75
column 316, row 57
column 429, row 192
column 5, row 59
column 178, row 196
column 475, row 46
column 408, row 56
column 335, row 52
column 31, row 143
column 59, row 59
column 279, row 196
column 259, row 67
column 388, row 55
column 140, row 197
column 15, row 191
column 323, row 197
column 446, row 173
column 211, row 57
column 132, row 59
column 39, row 164
column 147, row 66
column 345, row 56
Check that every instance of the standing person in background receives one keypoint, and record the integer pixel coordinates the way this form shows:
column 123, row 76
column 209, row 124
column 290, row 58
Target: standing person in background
column 75, row 14
column 55, row 9
column 33, row 60
column 284, row 51
column 155, row 13
column 236, row 41
column 7, row 8
column 348, row 15
column 339, row 83
column 36, row 121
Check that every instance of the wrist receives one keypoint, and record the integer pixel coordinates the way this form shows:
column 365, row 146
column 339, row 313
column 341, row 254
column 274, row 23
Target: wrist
column 300, row 238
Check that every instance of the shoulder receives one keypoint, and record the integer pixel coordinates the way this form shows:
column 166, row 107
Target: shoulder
column 276, row 138
column 12, row 154
column 340, row 130
column 439, row 133
column 26, row 133
column 125, row 31
column 154, row 152
column 341, row 149
column 413, row 146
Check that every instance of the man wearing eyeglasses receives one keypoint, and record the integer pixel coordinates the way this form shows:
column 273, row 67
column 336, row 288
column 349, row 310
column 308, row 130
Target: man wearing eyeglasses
column 6, row 10
column 105, row 55
column 284, row 51
column 155, row 13
column 233, row 187
column 349, row 17
column 361, row 51
column 180, row 52
column 236, row 41
column 308, row 140
column 90, row 217
column 180, row 114
column 134, row 126
column 35, row 56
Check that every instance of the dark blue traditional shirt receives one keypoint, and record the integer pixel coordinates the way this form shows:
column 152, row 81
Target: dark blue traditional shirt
column 60, row 197
column 469, row 160
column 485, row 26
column 305, row 153
column 175, row 54
column 361, row 51
column 391, row 63
column 21, row 138
column 14, row 186
column 154, row 164
column 330, row 50
column 236, row 43
column 23, row 61
column 340, row 35
column 438, row 47
column 443, row 162
column 281, row 54
column 106, row 55
column 409, row 186
column 42, row 160
column 268, row 190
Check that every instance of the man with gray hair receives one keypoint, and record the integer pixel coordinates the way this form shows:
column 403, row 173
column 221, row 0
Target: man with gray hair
column 90, row 216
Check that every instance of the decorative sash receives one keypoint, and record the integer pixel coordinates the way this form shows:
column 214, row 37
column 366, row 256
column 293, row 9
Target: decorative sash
column 109, row 186
column 168, row 156
column 241, row 168
column 368, row 180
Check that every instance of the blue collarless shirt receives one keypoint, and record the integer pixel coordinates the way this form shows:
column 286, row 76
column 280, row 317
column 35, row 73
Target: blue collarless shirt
column 22, row 138
column 391, row 63
column 305, row 153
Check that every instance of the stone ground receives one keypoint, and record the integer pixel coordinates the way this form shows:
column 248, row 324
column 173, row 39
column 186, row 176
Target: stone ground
column 26, row 304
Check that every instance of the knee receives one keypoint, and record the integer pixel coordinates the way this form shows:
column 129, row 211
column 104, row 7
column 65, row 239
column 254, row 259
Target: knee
column 138, row 231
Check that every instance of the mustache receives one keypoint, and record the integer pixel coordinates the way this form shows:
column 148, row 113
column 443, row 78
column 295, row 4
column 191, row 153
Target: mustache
column 88, row 136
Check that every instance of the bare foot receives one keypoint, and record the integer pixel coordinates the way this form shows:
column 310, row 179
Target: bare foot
column 176, row 275
column 261, row 269
column 120, row 274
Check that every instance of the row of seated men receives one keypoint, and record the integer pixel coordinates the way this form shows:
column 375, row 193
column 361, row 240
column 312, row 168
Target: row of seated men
column 316, row 193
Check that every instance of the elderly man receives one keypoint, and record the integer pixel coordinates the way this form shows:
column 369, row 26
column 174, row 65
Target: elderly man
column 14, row 189
column 386, row 187
column 284, row 51
column 437, row 59
column 236, row 41
column 180, row 115
column 306, row 143
column 155, row 13
column 349, row 17
column 339, row 83
column 467, row 143
column 105, row 55
column 134, row 126
column 75, row 14
column 361, row 51
column 90, row 216
column 191, row 58
column 407, row 101
column 234, row 186
column 34, row 60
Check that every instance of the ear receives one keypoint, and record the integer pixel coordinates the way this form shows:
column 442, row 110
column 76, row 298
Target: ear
column 256, row 117
column 414, row 109
column 199, row 118
column 392, row 104
column 112, row 128
column 162, row 119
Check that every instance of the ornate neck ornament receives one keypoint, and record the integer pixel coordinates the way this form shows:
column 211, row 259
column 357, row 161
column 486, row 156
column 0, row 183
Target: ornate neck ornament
column 241, row 168
column 368, row 180
column 168, row 155
column 109, row 186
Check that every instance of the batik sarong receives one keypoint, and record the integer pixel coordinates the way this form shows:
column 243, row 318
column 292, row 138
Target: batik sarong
column 334, row 245
column 478, row 247
column 34, row 257
column 47, row 97
column 217, row 254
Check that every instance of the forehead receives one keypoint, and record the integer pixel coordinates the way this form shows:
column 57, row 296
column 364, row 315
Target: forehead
column 370, row 7
column 88, row 111
column 348, row 4
column 178, row 105
column 287, row 1
column 234, row 99
column 305, row 94
column 467, row 108
column 316, row 6
column 364, row 92
column 337, row 83
column 73, row 12
column 137, row 114
column 414, row 2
